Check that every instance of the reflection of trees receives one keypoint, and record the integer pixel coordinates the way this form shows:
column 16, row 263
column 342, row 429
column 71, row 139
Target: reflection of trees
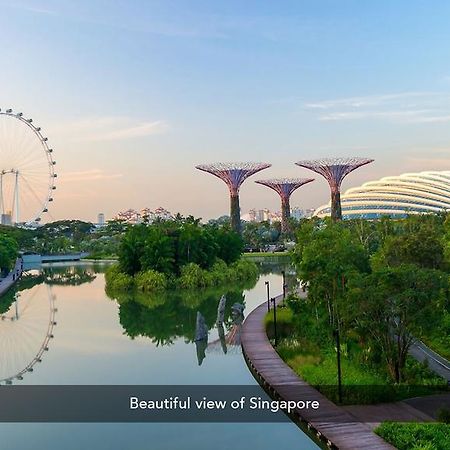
column 72, row 275
column 165, row 316
column 28, row 280
column 276, row 265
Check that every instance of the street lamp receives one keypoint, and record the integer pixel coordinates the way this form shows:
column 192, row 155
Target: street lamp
column 284, row 284
column 339, row 373
column 268, row 295
column 274, row 320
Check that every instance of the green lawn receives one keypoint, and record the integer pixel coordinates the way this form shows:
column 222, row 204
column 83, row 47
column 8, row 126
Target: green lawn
column 416, row 436
column 308, row 348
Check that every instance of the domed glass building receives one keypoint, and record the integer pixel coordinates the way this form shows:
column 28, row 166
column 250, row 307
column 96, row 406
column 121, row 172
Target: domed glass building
column 398, row 196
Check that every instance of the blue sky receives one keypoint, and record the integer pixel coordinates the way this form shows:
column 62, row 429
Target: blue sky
column 133, row 94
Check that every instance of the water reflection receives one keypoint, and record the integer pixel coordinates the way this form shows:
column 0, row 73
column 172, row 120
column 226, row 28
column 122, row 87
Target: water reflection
column 165, row 316
column 26, row 327
column 28, row 323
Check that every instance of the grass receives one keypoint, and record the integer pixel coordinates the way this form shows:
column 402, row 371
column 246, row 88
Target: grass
column 416, row 436
column 307, row 346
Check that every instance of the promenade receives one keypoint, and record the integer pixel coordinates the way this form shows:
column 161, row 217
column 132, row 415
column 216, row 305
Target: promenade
column 12, row 277
column 333, row 425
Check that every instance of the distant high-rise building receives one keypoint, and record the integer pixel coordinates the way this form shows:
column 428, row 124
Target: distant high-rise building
column 146, row 215
column 101, row 219
column 6, row 219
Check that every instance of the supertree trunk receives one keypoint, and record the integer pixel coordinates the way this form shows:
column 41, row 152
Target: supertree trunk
column 235, row 213
column 285, row 216
column 336, row 208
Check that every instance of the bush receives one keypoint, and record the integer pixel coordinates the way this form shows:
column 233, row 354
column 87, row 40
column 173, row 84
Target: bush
column 443, row 415
column 117, row 280
column 285, row 323
column 150, row 280
column 416, row 436
column 244, row 269
column 193, row 276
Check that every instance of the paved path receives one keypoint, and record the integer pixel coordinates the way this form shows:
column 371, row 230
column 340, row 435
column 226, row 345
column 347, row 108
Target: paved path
column 12, row 277
column 331, row 424
column 436, row 362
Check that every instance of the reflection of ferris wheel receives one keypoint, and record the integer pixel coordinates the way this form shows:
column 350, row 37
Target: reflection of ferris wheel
column 27, row 170
column 25, row 332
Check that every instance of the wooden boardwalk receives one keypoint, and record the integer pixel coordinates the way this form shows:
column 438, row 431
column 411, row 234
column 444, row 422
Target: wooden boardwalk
column 334, row 426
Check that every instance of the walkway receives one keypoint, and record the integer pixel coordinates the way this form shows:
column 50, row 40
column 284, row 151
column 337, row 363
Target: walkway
column 436, row 362
column 12, row 277
column 330, row 423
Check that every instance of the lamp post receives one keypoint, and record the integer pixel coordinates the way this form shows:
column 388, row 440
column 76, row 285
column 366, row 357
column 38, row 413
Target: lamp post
column 274, row 320
column 268, row 295
column 339, row 373
column 284, row 284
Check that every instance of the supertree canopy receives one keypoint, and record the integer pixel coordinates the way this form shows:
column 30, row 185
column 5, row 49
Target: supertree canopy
column 285, row 187
column 233, row 174
column 334, row 170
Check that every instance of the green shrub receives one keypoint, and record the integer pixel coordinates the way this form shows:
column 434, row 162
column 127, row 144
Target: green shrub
column 285, row 322
column 244, row 270
column 117, row 280
column 150, row 280
column 443, row 415
column 193, row 276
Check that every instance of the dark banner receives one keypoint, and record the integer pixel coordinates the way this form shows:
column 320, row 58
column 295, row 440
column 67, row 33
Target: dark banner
column 172, row 403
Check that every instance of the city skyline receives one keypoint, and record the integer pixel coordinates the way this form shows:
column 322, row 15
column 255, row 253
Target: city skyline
column 134, row 96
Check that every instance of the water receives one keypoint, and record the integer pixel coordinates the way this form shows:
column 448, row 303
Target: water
column 144, row 340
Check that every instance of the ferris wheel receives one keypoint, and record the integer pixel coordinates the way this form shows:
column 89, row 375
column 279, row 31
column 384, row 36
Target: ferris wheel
column 27, row 170
column 25, row 332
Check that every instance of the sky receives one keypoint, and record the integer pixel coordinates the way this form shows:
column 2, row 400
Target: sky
column 133, row 94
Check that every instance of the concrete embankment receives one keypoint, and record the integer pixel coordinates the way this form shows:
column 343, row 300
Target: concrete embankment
column 12, row 277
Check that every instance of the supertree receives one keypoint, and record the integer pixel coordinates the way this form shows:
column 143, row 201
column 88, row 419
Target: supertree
column 284, row 187
column 233, row 174
column 334, row 170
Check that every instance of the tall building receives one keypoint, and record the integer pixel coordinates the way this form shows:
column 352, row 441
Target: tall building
column 101, row 219
column 6, row 219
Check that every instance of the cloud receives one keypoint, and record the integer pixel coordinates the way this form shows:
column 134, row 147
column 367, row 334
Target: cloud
column 402, row 115
column 30, row 8
column 140, row 130
column 403, row 107
column 109, row 129
column 369, row 100
column 88, row 175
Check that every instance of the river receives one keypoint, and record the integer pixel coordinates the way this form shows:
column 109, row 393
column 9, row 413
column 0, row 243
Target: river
column 123, row 340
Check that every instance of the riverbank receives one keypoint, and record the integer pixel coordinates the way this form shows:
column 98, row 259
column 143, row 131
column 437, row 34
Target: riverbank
column 12, row 277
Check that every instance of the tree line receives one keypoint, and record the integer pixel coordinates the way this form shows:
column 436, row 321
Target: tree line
column 384, row 282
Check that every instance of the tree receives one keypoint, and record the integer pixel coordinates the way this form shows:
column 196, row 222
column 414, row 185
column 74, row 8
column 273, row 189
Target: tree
column 423, row 248
column 131, row 249
column 326, row 256
column 391, row 306
column 157, row 252
column 8, row 252
column 230, row 244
